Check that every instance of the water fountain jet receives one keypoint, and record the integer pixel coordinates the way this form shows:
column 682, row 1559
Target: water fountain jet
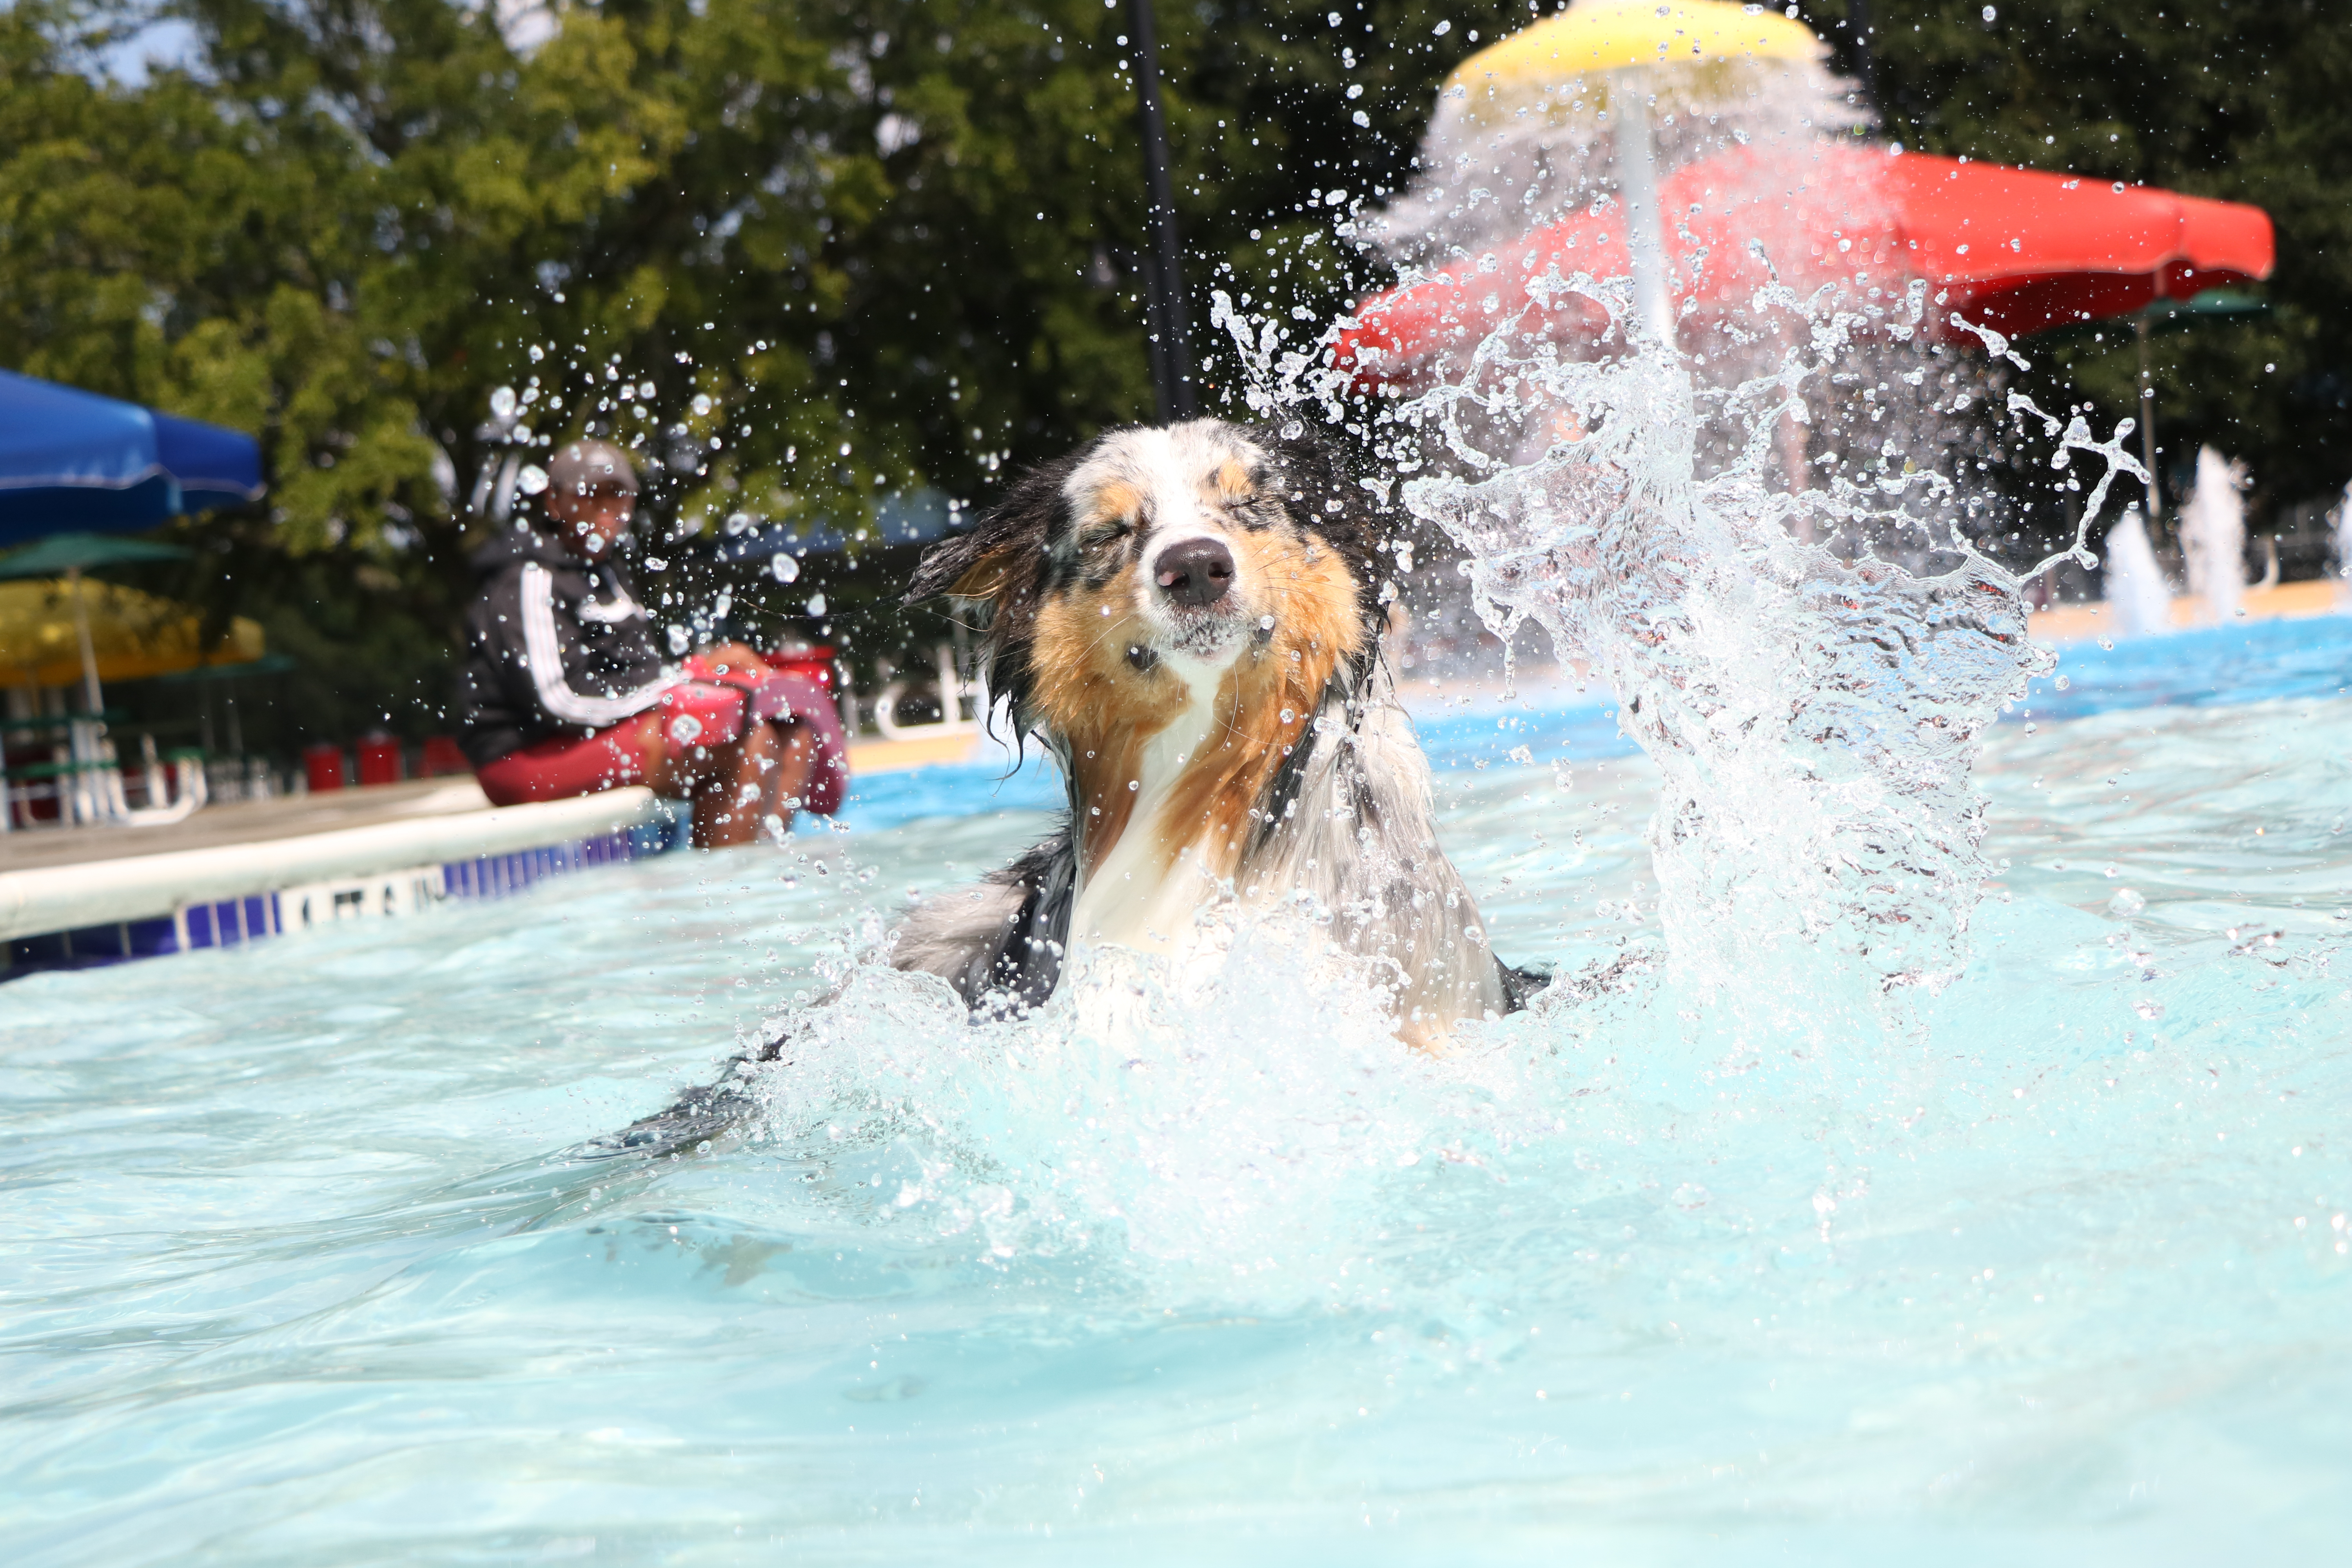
column 2213, row 535
column 2135, row 588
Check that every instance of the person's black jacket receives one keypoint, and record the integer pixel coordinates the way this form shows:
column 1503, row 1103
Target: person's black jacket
column 553, row 644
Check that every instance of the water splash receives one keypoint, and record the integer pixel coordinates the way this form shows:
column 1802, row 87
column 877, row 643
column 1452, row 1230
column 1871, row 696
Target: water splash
column 1815, row 706
column 1139, row 1114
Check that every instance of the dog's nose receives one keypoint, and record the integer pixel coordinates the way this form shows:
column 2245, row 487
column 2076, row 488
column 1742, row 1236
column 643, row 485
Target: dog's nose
column 1196, row 572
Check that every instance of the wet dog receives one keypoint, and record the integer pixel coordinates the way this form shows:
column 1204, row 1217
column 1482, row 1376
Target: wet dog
column 1189, row 620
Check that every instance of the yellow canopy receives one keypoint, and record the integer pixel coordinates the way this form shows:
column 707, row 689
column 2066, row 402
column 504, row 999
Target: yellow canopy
column 1608, row 34
column 134, row 634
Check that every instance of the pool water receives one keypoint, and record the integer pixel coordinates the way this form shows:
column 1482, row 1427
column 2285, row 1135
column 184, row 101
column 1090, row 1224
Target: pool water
column 305, row 1268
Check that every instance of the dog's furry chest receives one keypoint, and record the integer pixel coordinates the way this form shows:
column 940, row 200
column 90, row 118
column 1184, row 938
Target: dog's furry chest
column 1147, row 883
column 1353, row 852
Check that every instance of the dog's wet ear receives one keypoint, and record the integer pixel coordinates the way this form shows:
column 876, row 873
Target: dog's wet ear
column 1006, row 549
column 972, row 567
column 1326, row 494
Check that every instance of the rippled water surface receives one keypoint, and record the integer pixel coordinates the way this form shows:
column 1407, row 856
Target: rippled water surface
column 2053, row 1265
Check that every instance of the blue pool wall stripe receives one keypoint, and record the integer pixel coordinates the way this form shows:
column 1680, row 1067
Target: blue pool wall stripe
column 231, row 922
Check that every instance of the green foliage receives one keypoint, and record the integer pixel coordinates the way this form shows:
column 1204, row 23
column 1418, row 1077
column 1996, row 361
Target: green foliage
column 872, row 244
column 908, row 228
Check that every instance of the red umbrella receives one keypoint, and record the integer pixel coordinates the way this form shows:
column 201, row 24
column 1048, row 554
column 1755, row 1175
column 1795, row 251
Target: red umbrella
column 2016, row 250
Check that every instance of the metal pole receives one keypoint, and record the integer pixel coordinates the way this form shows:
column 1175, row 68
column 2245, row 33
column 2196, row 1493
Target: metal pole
column 2147, row 414
column 1637, row 181
column 89, row 691
column 1171, row 359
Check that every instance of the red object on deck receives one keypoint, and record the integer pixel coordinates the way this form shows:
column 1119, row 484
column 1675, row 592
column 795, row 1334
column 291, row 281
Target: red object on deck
column 442, row 756
column 2018, row 250
column 380, row 760
column 323, row 767
column 813, row 662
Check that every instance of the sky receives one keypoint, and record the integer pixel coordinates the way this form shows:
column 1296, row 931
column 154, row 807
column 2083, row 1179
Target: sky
column 170, row 42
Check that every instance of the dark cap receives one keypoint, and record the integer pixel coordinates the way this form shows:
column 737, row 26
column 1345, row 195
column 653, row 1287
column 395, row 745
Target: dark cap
column 586, row 466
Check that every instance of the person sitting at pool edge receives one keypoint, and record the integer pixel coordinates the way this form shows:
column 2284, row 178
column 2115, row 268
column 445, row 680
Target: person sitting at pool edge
column 562, row 693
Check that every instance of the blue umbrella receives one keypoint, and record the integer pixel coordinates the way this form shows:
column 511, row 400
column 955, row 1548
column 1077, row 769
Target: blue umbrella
column 72, row 459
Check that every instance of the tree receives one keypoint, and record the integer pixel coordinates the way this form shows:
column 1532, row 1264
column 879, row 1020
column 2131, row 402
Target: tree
column 2240, row 102
column 802, row 255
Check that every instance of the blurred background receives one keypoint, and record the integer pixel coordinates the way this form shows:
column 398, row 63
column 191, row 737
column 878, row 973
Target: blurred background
column 834, row 270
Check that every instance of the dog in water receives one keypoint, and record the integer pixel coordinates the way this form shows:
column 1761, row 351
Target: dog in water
column 1189, row 619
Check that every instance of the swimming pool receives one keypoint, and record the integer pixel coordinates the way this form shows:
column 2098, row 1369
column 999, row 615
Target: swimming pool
column 2055, row 1264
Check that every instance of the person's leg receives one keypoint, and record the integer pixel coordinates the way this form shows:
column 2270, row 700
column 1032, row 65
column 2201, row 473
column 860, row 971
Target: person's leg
column 751, row 780
column 734, row 785
column 687, row 773
column 795, row 762
column 726, row 802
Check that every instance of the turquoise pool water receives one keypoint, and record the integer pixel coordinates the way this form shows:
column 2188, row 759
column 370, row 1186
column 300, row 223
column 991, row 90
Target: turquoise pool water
column 2054, row 1265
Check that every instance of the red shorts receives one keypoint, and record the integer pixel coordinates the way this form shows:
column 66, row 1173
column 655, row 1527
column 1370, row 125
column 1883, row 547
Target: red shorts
column 566, row 767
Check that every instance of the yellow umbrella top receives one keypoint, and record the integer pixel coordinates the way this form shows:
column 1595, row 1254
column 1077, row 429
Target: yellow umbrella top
column 1609, row 34
column 1526, row 130
column 134, row 634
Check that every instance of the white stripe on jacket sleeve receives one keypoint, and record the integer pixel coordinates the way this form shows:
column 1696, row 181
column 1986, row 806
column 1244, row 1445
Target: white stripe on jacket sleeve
column 544, row 652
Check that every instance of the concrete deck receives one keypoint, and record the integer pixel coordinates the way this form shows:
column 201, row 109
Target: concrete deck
column 2287, row 601
column 921, row 751
column 243, row 822
column 91, row 876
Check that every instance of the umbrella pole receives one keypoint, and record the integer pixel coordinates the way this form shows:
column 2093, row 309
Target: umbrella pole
column 2146, row 413
column 84, row 733
column 1637, row 181
column 89, row 692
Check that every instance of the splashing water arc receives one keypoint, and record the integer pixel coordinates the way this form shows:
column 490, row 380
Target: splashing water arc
column 1810, row 655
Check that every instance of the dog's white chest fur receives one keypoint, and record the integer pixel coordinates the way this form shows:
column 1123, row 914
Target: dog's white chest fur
column 1134, row 898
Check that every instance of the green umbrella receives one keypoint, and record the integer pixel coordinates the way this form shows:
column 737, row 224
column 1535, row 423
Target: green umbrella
column 61, row 554
column 2173, row 316
column 71, row 554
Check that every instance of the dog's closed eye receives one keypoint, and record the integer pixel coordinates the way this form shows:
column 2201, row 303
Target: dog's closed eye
column 1101, row 534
